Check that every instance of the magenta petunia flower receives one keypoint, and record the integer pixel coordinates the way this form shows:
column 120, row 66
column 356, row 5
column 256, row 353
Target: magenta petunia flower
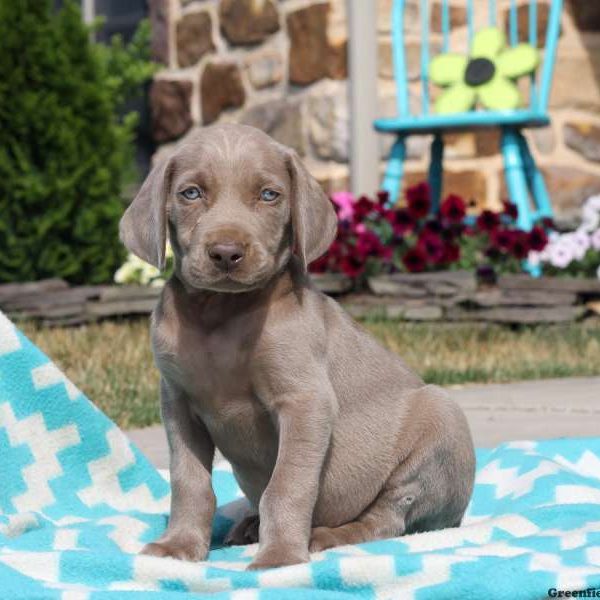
column 433, row 226
column 538, row 239
column 488, row 221
column 418, row 199
column 520, row 247
column 433, row 246
column 453, row 209
column 363, row 207
column 451, row 253
column 401, row 221
column 383, row 197
column 352, row 266
column 415, row 260
column 368, row 244
column 502, row 239
column 320, row 265
column 510, row 210
column 486, row 274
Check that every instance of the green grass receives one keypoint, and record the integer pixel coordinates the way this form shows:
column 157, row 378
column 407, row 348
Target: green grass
column 112, row 363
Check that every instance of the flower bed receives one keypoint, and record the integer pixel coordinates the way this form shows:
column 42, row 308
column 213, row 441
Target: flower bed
column 393, row 262
column 376, row 239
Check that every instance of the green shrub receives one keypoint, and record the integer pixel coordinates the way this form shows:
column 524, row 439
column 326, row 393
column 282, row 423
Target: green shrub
column 65, row 149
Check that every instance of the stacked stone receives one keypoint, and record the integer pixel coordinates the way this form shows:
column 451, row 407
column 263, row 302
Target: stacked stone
column 281, row 66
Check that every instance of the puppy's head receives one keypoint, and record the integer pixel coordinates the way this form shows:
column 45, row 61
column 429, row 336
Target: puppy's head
column 236, row 205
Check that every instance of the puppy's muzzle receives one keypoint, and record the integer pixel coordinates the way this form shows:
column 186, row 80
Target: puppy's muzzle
column 227, row 255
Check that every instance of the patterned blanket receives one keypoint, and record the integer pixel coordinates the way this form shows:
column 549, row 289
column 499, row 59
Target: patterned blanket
column 78, row 501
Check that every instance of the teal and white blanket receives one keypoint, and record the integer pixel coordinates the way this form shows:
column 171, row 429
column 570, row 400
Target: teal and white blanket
column 77, row 502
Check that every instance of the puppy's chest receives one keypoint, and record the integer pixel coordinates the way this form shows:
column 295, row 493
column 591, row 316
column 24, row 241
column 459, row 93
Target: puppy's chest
column 214, row 368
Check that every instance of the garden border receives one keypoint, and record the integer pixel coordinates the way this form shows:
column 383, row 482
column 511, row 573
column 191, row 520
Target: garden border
column 438, row 296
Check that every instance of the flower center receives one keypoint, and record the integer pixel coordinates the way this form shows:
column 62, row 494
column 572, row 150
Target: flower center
column 479, row 71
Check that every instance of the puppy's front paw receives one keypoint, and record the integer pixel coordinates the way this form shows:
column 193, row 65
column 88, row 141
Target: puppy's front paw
column 180, row 547
column 271, row 559
column 244, row 533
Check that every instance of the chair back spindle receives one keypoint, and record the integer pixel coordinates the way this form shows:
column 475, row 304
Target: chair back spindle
column 425, row 58
column 470, row 21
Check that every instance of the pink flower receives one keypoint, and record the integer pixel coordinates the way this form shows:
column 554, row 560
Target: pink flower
column 344, row 201
column 595, row 239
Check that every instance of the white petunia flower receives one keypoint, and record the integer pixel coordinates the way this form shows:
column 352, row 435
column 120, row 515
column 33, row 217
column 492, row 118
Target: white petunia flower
column 581, row 242
column 590, row 218
column 595, row 239
column 125, row 273
column 561, row 254
column 593, row 203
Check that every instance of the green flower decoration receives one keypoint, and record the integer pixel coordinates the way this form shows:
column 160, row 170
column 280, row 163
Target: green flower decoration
column 487, row 76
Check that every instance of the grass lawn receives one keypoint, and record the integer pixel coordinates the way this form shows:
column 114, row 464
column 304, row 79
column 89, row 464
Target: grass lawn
column 111, row 361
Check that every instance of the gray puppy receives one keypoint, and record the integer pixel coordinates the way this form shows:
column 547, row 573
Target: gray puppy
column 332, row 438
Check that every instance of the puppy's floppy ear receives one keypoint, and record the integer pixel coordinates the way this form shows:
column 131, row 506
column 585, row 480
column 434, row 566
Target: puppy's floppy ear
column 143, row 227
column 314, row 222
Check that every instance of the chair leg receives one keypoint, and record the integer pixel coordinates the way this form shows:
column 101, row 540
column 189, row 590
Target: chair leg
column 436, row 172
column 516, row 182
column 536, row 182
column 394, row 172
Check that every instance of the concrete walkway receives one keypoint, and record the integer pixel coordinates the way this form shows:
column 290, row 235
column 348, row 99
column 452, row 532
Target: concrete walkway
column 497, row 413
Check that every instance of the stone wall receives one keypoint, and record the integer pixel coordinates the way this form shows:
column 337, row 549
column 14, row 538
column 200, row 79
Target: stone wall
column 281, row 66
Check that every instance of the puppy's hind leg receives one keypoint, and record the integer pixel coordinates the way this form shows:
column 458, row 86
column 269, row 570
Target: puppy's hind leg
column 384, row 518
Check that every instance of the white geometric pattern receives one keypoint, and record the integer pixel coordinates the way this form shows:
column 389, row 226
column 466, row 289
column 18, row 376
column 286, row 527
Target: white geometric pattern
column 44, row 445
column 567, row 577
column 48, row 375
column 106, row 488
column 9, row 340
column 507, row 481
column 588, row 464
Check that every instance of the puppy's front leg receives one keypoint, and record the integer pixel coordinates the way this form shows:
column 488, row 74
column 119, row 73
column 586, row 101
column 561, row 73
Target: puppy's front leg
column 287, row 504
column 193, row 502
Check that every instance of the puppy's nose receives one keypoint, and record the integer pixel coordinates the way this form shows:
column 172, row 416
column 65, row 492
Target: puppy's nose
column 226, row 255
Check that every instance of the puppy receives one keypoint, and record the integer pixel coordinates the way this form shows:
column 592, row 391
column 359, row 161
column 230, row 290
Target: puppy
column 332, row 438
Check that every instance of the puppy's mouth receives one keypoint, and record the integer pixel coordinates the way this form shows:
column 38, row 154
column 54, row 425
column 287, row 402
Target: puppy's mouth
column 235, row 281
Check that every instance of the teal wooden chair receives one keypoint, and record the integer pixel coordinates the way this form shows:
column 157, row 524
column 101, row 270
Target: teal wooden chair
column 524, row 180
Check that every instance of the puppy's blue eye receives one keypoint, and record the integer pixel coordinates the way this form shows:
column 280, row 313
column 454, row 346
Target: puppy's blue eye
column 191, row 193
column 269, row 195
